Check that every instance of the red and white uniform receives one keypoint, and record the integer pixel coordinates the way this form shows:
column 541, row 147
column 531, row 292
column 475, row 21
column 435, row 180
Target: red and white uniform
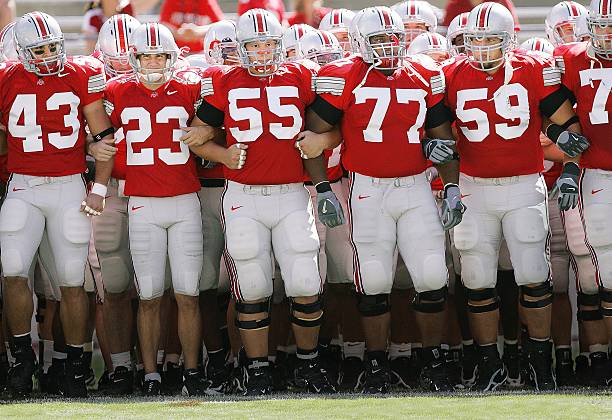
column 161, row 180
column 175, row 13
column 589, row 78
column 499, row 124
column 46, row 142
column 390, row 200
column 265, row 203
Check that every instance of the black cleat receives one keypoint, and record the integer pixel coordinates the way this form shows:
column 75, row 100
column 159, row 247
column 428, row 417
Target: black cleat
column 151, row 388
column 434, row 376
column 217, row 380
column 350, row 373
column 453, row 367
column 377, row 376
column 172, row 379
column 4, row 368
column 469, row 364
column 76, row 374
column 257, row 380
column 121, row 383
column 540, row 365
column 20, row 375
column 512, row 360
column 401, row 372
column 194, row 383
column 330, row 358
column 53, row 382
column 309, row 376
column 280, row 372
column 564, row 367
column 491, row 372
column 599, row 373
column 105, row 381
column 583, row 371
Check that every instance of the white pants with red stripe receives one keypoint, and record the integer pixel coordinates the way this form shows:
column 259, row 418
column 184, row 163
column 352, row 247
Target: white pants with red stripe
column 596, row 209
column 260, row 218
column 581, row 260
column 515, row 207
column 559, row 254
column 166, row 227
column 44, row 212
column 212, row 234
column 386, row 213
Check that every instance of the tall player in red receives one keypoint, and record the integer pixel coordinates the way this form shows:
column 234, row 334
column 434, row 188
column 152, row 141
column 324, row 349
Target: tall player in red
column 265, row 205
column 499, row 98
column 587, row 74
column 384, row 106
column 46, row 99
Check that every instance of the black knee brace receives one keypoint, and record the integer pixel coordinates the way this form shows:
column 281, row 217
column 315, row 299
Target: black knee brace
column 588, row 314
column 253, row 308
column 306, row 308
column 41, row 305
column 606, row 297
column 373, row 305
column 430, row 302
column 481, row 295
column 542, row 291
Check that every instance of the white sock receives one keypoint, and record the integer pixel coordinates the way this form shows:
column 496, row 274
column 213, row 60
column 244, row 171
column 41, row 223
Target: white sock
column 354, row 349
column 510, row 342
column 152, row 377
column 292, row 349
column 467, row 342
column 88, row 346
column 399, row 350
column 122, row 359
column 160, row 357
column 444, row 347
column 598, row 347
column 336, row 342
column 47, row 354
column 60, row 355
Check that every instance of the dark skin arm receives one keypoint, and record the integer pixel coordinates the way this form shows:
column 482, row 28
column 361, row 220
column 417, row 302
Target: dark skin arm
column 316, row 167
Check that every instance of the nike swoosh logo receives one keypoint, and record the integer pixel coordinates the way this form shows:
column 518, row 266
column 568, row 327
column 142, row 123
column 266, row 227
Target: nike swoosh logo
column 236, row 208
column 324, row 207
column 134, row 208
column 172, row 93
column 592, row 191
column 361, row 197
column 62, row 75
column 18, row 189
column 465, row 195
column 78, row 376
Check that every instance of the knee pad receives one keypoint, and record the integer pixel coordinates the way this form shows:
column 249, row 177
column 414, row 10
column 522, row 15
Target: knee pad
column 315, row 307
column 76, row 227
column 109, row 231
column 149, row 288
column 14, row 217
column 599, row 234
column 254, row 308
column 375, row 276
column 477, row 297
column 253, row 282
column 243, row 241
column 588, row 314
column 574, row 231
column 432, row 301
column 373, row 305
column 543, row 292
column 606, row 302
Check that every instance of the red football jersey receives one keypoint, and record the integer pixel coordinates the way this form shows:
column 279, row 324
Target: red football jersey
column 590, row 80
column 552, row 172
column 44, row 116
column 158, row 164
column 267, row 113
column 174, row 13
column 383, row 116
column 498, row 118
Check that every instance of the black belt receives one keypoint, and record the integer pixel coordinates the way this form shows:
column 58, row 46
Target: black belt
column 212, row 182
column 309, row 183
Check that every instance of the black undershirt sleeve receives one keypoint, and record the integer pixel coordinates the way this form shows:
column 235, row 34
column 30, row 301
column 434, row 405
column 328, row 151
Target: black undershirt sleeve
column 550, row 104
column 210, row 115
column 329, row 113
column 438, row 115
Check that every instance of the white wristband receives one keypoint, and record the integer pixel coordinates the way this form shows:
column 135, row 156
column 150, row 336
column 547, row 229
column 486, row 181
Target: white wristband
column 99, row 189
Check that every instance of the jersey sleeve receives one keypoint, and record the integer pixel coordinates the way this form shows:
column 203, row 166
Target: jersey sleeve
column 212, row 106
column 92, row 80
column 109, row 103
column 563, row 61
column 307, row 77
column 333, row 84
column 546, row 76
column 433, row 78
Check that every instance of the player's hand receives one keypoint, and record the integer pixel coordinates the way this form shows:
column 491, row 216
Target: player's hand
column 572, row 144
column 310, row 144
column 236, row 156
column 102, row 150
column 452, row 207
column 93, row 205
column 197, row 136
column 567, row 187
column 439, row 151
column 330, row 209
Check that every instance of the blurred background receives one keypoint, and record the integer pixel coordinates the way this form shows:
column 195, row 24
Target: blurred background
column 79, row 18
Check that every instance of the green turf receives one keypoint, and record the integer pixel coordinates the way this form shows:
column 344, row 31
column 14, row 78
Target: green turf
column 533, row 407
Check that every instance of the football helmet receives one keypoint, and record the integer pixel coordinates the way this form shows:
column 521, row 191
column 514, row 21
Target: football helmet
column 489, row 22
column 582, row 31
column 259, row 25
column 220, row 43
column 431, row 44
column 291, row 39
column 416, row 12
column 322, row 47
column 538, row 44
column 561, row 22
column 154, row 38
column 34, row 30
column 457, row 28
column 8, row 51
column 114, row 43
column 338, row 22
column 376, row 22
column 599, row 25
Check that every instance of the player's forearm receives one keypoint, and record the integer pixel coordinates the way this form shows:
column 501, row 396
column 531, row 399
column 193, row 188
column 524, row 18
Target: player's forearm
column 561, row 116
column 211, row 151
column 315, row 123
column 316, row 169
column 449, row 172
column 331, row 139
column 103, row 171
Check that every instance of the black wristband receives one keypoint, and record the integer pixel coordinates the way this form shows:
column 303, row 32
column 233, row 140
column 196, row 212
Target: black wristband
column 571, row 168
column 100, row 136
column 553, row 131
column 323, row 186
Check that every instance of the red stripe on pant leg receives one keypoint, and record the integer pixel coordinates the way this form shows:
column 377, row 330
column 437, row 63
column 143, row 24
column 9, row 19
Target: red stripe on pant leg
column 356, row 269
column 230, row 265
column 586, row 240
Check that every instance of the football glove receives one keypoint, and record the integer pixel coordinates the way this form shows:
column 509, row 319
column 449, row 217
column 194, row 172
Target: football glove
column 329, row 208
column 567, row 186
column 572, row 144
column 439, row 151
column 452, row 207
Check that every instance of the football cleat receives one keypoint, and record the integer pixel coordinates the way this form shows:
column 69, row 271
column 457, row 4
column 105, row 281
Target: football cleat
column 377, row 376
column 330, row 358
column 453, row 367
column 401, row 372
column 469, row 365
column 257, row 381
column 512, row 360
column 20, row 375
column 491, row 371
column 151, row 388
column 217, row 380
column 4, row 368
column 53, row 381
column 600, row 371
column 121, row 383
column 194, row 383
column 172, row 379
column 564, row 367
column 583, row 370
column 76, row 374
column 105, row 381
column 540, row 365
column 350, row 375
column 309, row 376
column 434, row 376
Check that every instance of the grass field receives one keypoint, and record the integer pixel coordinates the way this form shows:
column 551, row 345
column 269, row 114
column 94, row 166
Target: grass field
column 464, row 406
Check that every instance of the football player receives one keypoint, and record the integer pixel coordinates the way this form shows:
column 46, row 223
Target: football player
column 417, row 16
column 454, row 34
column 338, row 22
column 46, row 100
column 431, row 44
column 505, row 196
column 291, row 38
column 561, row 22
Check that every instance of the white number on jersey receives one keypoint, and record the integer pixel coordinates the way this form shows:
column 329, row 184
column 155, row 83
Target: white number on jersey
column 503, row 108
column 598, row 114
column 274, row 95
column 31, row 132
column 144, row 131
column 382, row 96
